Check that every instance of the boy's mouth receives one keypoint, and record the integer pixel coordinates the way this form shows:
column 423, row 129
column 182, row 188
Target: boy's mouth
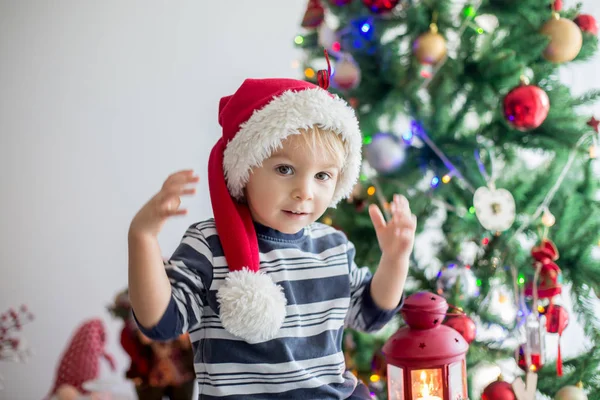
column 295, row 213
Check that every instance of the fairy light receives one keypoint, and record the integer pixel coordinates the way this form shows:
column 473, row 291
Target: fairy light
column 446, row 178
column 371, row 190
column 309, row 72
column 299, row 39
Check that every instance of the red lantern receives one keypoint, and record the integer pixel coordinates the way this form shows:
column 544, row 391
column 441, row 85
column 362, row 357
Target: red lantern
column 426, row 359
column 526, row 107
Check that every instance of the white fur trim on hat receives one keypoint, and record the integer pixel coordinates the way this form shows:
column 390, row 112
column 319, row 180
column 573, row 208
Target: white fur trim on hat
column 252, row 306
column 264, row 131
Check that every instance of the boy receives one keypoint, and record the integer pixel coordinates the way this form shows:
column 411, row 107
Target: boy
column 263, row 290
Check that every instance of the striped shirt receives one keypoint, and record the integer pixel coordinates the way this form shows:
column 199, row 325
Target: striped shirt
column 325, row 290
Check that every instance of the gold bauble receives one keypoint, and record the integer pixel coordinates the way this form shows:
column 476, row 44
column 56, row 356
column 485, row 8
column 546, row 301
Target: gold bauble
column 430, row 47
column 565, row 40
column 570, row 393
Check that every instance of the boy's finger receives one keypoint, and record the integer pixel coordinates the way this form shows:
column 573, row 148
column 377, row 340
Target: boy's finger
column 180, row 177
column 376, row 217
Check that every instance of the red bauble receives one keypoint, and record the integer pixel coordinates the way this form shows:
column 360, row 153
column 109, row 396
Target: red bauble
column 526, row 107
column 557, row 319
column 498, row 390
column 463, row 325
column 587, row 23
column 558, row 5
column 314, row 15
column 381, row 6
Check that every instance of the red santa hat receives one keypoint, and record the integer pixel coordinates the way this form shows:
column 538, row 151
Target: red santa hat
column 255, row 121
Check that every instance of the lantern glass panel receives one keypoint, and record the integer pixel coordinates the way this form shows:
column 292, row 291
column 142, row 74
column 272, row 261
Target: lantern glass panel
column 457, row 380
column 395, row 382
column 427, row 384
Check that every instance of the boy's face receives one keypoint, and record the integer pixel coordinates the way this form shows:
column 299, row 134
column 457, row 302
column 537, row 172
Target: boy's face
column 292, row 188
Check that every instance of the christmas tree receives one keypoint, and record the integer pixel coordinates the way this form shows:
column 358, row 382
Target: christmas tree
column 463, row 112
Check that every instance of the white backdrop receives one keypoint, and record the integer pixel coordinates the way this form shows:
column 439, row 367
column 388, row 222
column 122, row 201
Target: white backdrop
column 99, row 102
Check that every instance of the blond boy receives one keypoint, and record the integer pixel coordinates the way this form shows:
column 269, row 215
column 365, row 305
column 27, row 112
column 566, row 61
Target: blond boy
column 264, row 291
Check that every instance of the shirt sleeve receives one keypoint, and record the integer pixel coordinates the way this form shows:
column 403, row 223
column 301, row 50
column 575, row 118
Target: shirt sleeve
column 190, row 272
column 364, row 315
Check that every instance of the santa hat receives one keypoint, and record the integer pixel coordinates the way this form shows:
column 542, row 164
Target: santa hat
column 255, row 121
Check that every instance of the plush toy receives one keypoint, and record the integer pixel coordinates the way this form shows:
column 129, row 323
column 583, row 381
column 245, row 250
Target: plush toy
column 80, row 362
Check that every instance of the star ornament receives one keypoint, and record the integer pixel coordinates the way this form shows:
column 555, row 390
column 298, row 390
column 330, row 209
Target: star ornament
column 593, row 122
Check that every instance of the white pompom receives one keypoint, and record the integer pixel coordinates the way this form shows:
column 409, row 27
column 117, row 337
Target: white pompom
column 252, row 306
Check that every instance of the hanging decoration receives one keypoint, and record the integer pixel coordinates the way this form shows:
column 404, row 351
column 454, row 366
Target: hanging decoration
column 463, row 325
column 531, row 354
column 347, row 73
column 385, row 153
column 314, row 15
column 495, row 208
column 557, row 320
column 587, row 23
column 430, row 47
column 457, row 283
column 571, row 393
column 526, row 106
column 380, row 6
column 549, row 281
column 498, row 390
column 565, row 39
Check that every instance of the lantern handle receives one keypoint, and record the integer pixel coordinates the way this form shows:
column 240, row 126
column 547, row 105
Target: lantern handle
column 456, row 313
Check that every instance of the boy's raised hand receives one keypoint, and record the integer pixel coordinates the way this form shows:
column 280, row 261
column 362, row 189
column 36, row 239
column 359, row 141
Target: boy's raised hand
column 396, row 237
column 151, row 217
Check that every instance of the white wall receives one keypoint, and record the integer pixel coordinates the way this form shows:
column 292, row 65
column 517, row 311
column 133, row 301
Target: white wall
column 99, row 102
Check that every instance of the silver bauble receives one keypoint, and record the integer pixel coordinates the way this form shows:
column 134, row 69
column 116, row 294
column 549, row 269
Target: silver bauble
column 385, row 153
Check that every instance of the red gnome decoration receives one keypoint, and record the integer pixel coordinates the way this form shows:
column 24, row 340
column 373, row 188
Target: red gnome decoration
column 550, row 279
column 80, row 362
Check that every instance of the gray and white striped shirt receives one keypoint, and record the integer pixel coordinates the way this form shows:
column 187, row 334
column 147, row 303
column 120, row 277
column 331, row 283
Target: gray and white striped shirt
column 325, row 290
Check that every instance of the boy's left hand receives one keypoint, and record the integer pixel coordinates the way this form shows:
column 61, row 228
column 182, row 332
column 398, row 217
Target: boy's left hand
column 397, row 236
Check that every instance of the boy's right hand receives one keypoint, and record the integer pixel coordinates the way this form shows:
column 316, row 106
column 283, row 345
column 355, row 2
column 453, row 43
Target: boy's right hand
column 152, row 216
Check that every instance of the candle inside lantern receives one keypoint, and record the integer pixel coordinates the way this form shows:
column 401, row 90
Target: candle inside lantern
column 428, row 387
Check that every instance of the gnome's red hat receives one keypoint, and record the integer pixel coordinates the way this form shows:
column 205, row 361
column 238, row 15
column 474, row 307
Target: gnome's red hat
column 255, row 121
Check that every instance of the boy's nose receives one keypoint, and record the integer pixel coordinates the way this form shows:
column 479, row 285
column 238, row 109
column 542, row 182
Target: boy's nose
column 303, row 191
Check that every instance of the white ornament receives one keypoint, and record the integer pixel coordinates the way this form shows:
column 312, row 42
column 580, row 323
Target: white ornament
column 570, row 393
column 347, row 73
column 252, row 306
column 495, row 208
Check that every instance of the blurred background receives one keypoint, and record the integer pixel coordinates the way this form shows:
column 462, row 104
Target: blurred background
column 99, row 103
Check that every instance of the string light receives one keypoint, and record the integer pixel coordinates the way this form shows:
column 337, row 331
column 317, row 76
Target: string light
column 327, row 221
column 446, row 178
column 371, row 190
column 435, row 182
column 299, row 39
column 375, row 378
column 309, row 72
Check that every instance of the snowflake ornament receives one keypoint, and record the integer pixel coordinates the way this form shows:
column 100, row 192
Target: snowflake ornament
column 495, row 208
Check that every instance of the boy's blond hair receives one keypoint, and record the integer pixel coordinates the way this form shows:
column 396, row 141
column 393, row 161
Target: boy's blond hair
column 318, row 139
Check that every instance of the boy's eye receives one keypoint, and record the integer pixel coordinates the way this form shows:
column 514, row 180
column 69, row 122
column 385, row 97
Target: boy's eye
column 323, row 176
column 284, row 169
